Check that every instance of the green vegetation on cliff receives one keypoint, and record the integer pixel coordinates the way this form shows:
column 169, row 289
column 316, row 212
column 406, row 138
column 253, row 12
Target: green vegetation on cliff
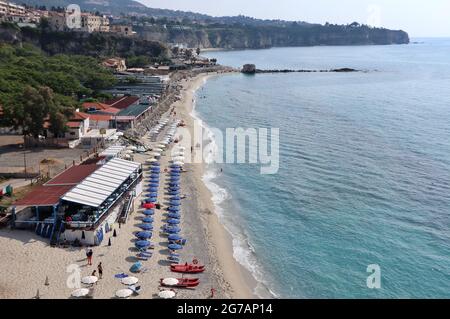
column 34, row 85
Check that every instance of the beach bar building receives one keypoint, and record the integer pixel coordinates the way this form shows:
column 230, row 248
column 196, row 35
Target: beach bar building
column 94, row 205
column 81, row 204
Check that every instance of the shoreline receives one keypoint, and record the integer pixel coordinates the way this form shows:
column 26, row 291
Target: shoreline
column 236, row 280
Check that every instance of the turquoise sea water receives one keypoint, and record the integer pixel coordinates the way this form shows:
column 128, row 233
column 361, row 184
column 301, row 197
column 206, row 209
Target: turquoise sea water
column 364, row 169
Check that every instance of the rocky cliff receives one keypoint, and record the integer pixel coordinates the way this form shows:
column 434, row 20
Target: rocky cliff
column 95, row 44
column 247, row 37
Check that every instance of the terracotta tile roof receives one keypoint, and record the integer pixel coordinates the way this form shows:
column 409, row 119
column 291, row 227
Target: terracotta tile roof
column 111, row 110
column 123, row 102
column 97, row 105
column 73, row 175
column 73, row 124
column 100, row 117
column 80, row 116
column 44, row 196
column 50, row 193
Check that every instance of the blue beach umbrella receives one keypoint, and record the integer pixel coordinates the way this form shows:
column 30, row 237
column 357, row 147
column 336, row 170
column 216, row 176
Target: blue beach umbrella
column 152, row 200
column 148, row 220
column 174, row 178
column 155, row 171
column 142, row 244
column 175, row 203
column 153, row 189
column 153, row 194
column 136, row 267
column 174, row 188
column 173, row 221
column 174, row 209
column 175, row 197
column 174, row 174
column 174, row 193
column 173, row 230
column 174, row 215
column 175, row 247
column 146, row 226
column 173, row 184
column 155, row 164
column 175, row 237
column 153, row 185
column 148, row 212
column 144, row 235
column 154, row 180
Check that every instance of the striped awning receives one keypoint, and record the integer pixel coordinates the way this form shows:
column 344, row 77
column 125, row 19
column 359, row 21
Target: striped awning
column 95, row 189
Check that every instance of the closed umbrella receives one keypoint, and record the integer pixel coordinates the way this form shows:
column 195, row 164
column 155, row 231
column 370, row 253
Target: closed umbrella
column 173, row 221
column 167, row 294
column 144, row 235
column 124, row 293
column 147, row 220
column 175, row 247
column 175, row 237
column 142, row 244
column 148, row 212
column 174, row 215
column 146, row 226
column 136, row 267
column 82, row 292
column 173, row 230
column 129, row 281
column 89, row 280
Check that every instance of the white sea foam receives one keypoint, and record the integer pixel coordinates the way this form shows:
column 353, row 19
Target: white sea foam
column 243, row 251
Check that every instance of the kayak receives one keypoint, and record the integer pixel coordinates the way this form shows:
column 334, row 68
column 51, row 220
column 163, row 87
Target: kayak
column 187, row 269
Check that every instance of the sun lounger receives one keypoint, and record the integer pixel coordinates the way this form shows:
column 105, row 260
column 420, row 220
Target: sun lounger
column 135, row 289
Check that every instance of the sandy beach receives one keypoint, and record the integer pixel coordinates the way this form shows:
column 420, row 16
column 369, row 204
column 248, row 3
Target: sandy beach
column 29, row 266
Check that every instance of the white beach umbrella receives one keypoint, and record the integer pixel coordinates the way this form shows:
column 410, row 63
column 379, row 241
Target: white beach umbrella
column 178, row 159
column 129, row 152
column 127, row 156
column 167, row 294
column 129, row 281
column 175, row 154
column 124, row 293
column 89, row 280
column 164, row 142
column 119, row 134
column 161, row 146
column 170, row 281
column 155, row 154
column 151, row 160
column 132, row 147
column 179, row 163
column 181, row 148
column 158, row 149
column 82, row 292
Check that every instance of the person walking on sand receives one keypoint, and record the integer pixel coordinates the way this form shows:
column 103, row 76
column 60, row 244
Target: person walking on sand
column 100, row 270
column 89, row 254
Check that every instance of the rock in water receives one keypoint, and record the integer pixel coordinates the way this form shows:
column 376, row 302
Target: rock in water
column 249, row 69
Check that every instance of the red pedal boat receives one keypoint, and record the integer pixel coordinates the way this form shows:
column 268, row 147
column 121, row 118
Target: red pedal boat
column 180, row 283
column 187, row 268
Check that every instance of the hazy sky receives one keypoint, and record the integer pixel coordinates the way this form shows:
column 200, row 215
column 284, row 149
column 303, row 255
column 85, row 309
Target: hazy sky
column 417, row 17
